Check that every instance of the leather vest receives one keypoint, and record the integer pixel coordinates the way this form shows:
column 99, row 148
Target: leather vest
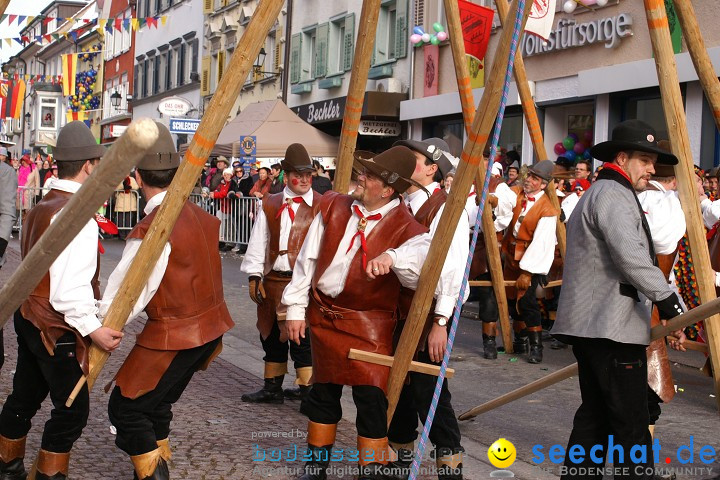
column 303, row 218
column 37, row 308
column 426, row 214
column 514, row 247
column 188, row 310
column 393, row 229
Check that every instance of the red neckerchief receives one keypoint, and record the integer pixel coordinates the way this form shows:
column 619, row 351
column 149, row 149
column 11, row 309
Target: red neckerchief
column 106, row 226
column 361, row 233
column 286, row 205
column 612, row 166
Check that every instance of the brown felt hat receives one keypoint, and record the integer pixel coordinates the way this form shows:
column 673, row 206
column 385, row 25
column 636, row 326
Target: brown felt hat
column 76, row 142
column 543, row 169
column 297, row 159
column 395, row 166
column 162, row 155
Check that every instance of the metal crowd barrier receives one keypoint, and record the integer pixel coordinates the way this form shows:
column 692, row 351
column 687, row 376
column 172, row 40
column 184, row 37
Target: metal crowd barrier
column 121, row 208
column 236, row 215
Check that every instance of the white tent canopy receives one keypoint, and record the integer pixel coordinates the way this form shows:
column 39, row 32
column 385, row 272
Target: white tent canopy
column 275, row 127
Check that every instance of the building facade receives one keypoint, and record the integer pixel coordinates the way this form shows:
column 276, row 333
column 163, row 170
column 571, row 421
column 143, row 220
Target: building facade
column 596, row 71
column 322, row 45
column 167, row 58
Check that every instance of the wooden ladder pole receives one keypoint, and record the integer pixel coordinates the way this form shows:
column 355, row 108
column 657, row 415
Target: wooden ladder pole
column 677, row 131
column 202, row 144
column 356, row 93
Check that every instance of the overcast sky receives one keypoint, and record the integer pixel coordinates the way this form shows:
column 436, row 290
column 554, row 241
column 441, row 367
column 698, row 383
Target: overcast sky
column 17, row 7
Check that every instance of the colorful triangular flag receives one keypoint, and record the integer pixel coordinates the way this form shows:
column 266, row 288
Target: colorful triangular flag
column 163, row 19
column 21, row 18
column 126, row 24
column 135, row 23
column 12, row 19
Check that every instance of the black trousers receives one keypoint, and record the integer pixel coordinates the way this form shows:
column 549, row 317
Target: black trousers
column 323, row 406
column 277, row 351
column 414, row 403
column 37, row 374
column 614, row 389
column 146, row 419
column 487, row 303
column 526, row 308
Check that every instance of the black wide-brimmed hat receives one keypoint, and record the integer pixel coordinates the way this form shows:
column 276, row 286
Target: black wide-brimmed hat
column 76, row 142
column 162, row 155
column 632, row 135
column 395, row 166
column 435, row 149
column 297, row 159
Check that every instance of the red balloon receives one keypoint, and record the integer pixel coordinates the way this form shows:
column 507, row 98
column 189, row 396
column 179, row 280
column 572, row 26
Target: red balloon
column 559, row 148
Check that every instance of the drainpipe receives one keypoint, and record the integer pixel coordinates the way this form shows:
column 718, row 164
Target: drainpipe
column 286, row 61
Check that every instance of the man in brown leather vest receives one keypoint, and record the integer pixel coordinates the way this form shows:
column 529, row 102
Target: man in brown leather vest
column 529, row 248
column 56, row 324
column 187, row 317
column 275, row 241
column 432, row 164
column 347, row 308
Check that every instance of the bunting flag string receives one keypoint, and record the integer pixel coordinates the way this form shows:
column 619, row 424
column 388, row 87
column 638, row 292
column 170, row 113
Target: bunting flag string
column 32, row 79
column 46, row 19
column 102, row 26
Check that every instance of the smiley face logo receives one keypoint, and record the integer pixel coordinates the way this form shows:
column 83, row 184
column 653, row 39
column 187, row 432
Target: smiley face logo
column 501, row 453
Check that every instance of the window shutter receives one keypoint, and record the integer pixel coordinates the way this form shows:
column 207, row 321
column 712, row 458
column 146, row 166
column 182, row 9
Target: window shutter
column 205, row 77
column 349, row 41
column 136, row 80
column 207, row 6
column 168, row 70
column 401, row 28
column 295, row 48
column 321, row 53
column 277, row 60
column 221, row 66
column 419, row 13
column 181, row 66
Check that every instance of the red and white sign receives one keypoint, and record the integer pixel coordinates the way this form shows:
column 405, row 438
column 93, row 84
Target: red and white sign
column 174, row 106
column 541, row 18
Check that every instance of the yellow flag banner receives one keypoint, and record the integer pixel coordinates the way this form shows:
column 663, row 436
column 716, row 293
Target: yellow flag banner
column 69, row 69
column 71, row 116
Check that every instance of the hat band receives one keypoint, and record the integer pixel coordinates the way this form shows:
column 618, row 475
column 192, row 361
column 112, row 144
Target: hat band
column 83, row 152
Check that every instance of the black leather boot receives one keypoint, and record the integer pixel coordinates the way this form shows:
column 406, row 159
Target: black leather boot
column 535, row 354
column 271, row 392
column 372, row 471
column 299, row 393
column 51, row 465
column 12, row 450
column 399, row 469
column 315, row 468
column 489, row 347
column 520, row 342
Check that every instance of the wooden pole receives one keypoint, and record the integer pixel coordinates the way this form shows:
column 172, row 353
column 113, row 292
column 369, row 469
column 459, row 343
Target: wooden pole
column 387, row 360
column 202, row 144
column 115, row 165
column 470, row 162
column 533, row 123
column 3, row 5
column 457, row 44
column 510, row 283
column 681, row 321
column 699, row 55
column 677, row 131
column 356, row 93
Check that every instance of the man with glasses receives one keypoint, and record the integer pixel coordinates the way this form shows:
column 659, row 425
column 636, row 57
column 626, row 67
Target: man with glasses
column 350, row 301
column 583, row 168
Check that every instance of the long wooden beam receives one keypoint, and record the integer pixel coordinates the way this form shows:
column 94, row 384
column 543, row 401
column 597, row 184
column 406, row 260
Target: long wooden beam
column 470, row 162
column 462, row 74
column 356, row 93
column 677, row 323
column 533, row 123
column 202, row 144
column 679, row 140
column 115, row 165
column 387, row 360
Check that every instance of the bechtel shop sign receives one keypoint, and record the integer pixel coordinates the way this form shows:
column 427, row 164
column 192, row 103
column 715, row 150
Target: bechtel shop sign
column 569, row 34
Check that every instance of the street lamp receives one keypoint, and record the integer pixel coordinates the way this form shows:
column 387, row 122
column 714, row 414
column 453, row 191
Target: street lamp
column 259, row 62
column 27, row 119
column 115, row 99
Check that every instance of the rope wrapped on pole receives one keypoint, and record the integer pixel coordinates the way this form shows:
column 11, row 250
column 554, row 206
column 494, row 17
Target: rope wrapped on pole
column 200, row 148
column 518, row 26
column 356, row 94
column 457, row 44
column 678, row 323
column 470, row 162
column 125, row 153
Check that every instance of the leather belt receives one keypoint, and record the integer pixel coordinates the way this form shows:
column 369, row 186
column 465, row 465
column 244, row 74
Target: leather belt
column 287, row 273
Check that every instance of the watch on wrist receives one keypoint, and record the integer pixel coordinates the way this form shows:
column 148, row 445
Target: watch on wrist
column 442, row 321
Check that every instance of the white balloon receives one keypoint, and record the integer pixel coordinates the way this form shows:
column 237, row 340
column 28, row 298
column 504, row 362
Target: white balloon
column 569, row 6
column 601, row 3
